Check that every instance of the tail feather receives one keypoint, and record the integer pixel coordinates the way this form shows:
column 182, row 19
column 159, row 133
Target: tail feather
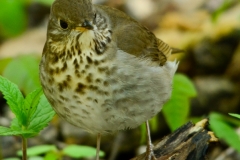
column 176, row 50
column 166, row 51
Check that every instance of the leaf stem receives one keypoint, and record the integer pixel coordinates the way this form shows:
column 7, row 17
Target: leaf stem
column 24, row 148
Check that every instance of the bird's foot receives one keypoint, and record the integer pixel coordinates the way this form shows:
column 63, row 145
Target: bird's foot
column 149, row 153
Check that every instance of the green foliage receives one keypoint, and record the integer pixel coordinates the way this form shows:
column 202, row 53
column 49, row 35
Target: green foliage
column 27, row 74
column 32, row 113
column 176, row 110
column 226, row 4
column 11, row 159
column 52, row 156
column 3, row 63
column 143, row 133
column 4, row 131
column 43, row 114
column 13, row 18
column 14, row 98
column 76, row 151
column 235, row 115
column 223, row 128
column 45, row 2
column 51, row 152
column 38, row 150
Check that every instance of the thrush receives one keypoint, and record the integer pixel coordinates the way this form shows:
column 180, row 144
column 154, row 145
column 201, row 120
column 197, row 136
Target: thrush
column 101, row 70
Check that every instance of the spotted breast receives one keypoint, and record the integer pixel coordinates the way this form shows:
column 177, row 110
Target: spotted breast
column 94, row 83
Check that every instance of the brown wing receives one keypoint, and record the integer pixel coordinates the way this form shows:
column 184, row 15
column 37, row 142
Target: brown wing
column 135, row 39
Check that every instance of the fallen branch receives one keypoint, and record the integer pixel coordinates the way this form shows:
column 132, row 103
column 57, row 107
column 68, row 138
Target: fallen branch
column 189, row 142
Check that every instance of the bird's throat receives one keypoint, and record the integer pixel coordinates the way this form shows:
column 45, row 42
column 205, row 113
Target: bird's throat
column 86, row 40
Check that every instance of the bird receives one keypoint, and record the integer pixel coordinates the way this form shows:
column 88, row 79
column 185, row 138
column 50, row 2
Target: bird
column 103, row 71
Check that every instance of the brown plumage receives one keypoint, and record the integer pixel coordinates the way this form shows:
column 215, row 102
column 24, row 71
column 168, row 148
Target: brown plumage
column 103, row 71
column 134, row 38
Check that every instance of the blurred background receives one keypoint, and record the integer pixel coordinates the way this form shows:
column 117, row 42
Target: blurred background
column 208, row 31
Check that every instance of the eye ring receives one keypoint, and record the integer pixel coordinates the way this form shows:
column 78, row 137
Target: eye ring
column 63, row 24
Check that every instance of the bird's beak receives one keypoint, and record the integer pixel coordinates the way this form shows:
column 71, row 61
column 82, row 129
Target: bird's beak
column 81, row 29
column 84, row 27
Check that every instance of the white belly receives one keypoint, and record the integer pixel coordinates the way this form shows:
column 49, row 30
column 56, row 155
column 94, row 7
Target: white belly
column 130, row 93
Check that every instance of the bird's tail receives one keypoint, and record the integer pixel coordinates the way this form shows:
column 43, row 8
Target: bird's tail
column 166, row 51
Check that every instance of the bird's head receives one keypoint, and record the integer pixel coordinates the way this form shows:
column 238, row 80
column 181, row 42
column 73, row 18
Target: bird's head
column 69, row 16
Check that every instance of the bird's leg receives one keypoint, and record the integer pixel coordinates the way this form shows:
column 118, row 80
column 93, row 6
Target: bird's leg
column 149, row 151
column 98, row 145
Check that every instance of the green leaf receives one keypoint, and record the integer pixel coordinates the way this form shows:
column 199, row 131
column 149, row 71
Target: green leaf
column 13, row 18
column 235, row 115
column 3, row 63
column 38, row 150
column 4, row 131
column 176, row 110
column 35, row 158
column 52, row 156
column 195, row 120
column 32, row 114
column 153, row 124
column 143, row 134
column 13, row 96
column 31, row 102
column 224, row 7
column 15, row 125
column 182, row 84
column 42, row 116
column 220, row 126
column 45, row 2
column 76, row 151
column 11, row 159
column 27, row 75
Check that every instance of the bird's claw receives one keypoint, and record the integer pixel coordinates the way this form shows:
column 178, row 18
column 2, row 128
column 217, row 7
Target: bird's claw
column 149, row 153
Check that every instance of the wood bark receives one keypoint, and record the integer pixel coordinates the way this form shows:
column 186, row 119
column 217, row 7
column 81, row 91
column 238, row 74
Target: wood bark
column 189, row 142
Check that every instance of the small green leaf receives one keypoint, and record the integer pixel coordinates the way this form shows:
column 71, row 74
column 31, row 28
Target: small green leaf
column 27, row 75
column 15, row 125
column 42, row 116
column 35, row 158
column 220, row 126
column 45, row 2
column 182, row 84
column 224, row 7
column 235, row 115
column 143, row 134
column 11, row 159
column 195, row 120
column 37, row 150
column 4, row 131
column 76, row 151
column 32, row 114
column 13, row 96
column 31, row 102
column 153, row 124
column 52, row 156
column 3, row 63
column 176, row 110
column 13, row 18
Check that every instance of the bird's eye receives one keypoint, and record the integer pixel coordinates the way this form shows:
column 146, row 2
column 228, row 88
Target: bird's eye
column 63, row 24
